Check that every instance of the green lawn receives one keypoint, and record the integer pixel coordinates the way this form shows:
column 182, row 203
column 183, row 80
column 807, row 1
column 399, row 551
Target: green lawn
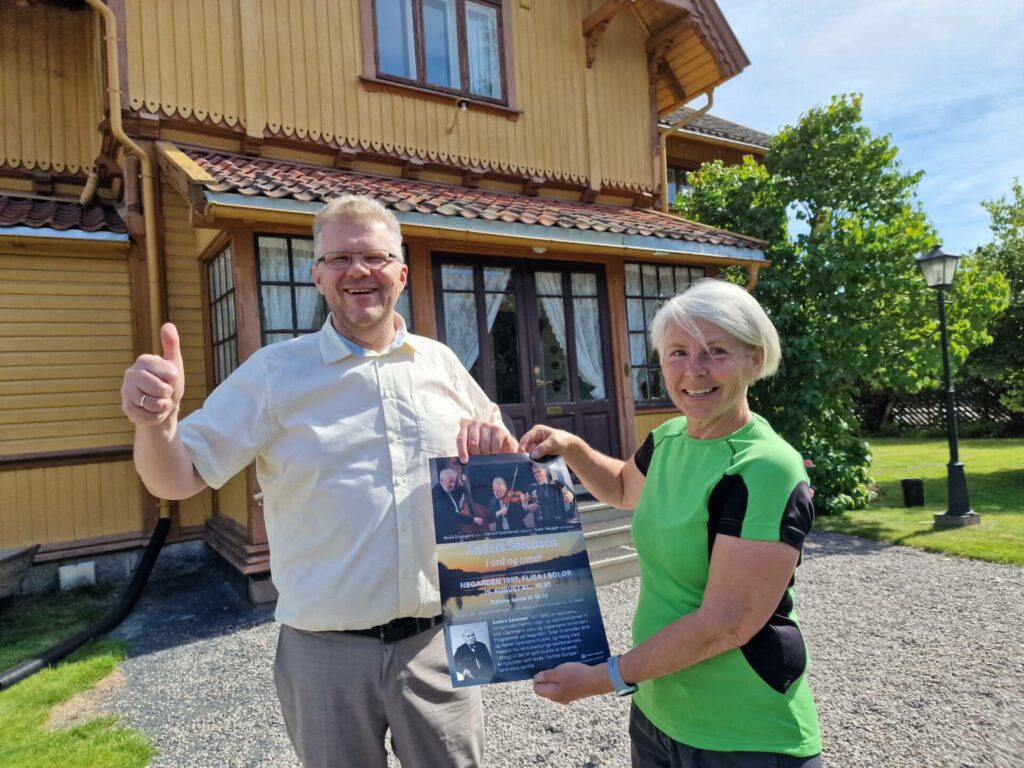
column 30, row 626
column 995, row 482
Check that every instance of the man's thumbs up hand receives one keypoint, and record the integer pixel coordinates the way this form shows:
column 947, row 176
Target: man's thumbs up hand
column 154, row 384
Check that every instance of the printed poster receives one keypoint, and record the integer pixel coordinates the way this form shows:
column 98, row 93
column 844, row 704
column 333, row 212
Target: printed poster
column 517, row 593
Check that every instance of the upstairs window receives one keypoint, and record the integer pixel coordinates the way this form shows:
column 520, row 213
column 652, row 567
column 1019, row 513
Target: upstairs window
column 677, row 183
column 453, row 46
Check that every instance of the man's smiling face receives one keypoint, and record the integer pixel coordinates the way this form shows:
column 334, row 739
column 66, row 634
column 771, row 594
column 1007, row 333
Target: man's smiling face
column 361, row 300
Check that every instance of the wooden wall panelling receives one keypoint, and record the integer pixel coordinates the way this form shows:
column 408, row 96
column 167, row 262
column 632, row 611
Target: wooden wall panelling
column 50, row 88
column 68, row 504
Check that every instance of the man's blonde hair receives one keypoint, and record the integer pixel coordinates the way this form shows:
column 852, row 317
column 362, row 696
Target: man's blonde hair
column 358, row 210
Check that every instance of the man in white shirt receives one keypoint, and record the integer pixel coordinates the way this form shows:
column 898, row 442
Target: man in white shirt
column 341, row 424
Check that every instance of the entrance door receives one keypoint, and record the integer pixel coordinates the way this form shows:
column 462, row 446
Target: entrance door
column 536, row 339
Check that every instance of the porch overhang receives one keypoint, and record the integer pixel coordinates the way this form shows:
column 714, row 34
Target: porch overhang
column 229, row 191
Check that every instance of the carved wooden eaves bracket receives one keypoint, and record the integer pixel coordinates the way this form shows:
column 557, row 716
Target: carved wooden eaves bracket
column 596, row 23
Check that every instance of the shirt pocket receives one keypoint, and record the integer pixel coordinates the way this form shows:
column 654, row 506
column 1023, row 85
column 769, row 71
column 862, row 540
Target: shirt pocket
column 438, row 419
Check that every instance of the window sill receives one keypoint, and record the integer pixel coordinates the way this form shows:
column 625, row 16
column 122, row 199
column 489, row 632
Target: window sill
column 376, row 85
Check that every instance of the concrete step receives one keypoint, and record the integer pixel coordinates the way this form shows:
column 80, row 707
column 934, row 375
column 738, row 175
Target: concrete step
column 598, row 511
column 613, row 564
column 608, row 533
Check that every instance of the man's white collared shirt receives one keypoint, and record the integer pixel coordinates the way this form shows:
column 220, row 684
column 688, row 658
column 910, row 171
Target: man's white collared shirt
column 341, row 444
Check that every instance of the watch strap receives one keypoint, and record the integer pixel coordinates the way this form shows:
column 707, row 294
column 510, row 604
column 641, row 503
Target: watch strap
column 622, row 688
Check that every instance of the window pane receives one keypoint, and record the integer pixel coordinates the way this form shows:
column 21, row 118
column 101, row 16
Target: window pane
column 682, row 279
column 461, row 333
column 637, row 349
column 549, row 283
column 395, row 47
column 650, row 309
column 273, row 338
column 641, row 388
column 440, row 33
column 554, row 366
column 302, row 260
column 589, row 355
column 635, row 315
column 506, row 353
column 277, row 307
column 273, row 254
column 650, row 273
column 456, row 278
column 666, row 284
column 230, row 303
column 307, row 302
column 632, row 279
column 657, row 384
column 584, row 284
column 484, row 53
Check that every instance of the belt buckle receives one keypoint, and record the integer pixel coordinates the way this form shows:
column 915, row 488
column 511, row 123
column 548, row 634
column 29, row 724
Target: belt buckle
column 393, row 631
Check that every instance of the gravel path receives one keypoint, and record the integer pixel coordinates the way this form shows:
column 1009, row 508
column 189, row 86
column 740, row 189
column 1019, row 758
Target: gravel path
column 918, row 661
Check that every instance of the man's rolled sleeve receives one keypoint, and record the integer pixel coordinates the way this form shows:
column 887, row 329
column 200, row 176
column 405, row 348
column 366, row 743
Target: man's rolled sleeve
column 224, row 436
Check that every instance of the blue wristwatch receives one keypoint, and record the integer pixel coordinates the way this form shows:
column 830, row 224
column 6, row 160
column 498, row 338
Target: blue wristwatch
column 622, row 688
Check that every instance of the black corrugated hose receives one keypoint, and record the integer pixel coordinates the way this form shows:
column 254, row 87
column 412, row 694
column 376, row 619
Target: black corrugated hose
column 19, row 672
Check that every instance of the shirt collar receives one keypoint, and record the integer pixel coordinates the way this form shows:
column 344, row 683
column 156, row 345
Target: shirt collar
column 334, row 347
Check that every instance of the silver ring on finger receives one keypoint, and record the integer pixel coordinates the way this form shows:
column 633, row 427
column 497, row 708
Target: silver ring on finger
column 142, row 401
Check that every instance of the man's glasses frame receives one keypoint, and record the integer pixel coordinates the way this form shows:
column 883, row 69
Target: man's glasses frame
column 373, row 260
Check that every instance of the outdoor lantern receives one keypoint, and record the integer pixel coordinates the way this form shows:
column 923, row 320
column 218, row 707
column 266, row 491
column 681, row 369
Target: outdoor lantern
column 938, row 267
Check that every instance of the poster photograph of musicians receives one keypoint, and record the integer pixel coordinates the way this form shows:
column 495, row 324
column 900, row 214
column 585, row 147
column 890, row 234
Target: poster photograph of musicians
column 498, row 496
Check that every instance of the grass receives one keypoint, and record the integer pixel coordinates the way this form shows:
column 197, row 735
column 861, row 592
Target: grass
column 995, row 483
column 29, row 626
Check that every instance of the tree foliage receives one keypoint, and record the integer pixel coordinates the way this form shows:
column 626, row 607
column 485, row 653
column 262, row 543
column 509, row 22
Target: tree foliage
column 843, row 227
column 1002, row 362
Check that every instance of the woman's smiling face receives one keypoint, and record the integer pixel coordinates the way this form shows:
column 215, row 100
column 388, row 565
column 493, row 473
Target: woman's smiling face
column 707, row 378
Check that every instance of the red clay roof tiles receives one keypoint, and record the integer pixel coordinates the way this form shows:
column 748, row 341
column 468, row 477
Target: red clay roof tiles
column 278, row 179
column 24, row 212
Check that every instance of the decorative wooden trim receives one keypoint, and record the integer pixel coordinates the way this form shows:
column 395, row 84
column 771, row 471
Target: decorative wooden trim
column 597, row 22
column 65, row 458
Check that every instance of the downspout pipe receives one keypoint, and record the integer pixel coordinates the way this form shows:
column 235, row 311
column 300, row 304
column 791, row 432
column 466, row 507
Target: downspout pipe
column 148, row 183
column 19, row 672
column 663, row 144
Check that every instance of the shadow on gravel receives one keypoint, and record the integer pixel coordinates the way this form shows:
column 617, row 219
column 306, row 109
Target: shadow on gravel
column 822, row 544
column 185, row 609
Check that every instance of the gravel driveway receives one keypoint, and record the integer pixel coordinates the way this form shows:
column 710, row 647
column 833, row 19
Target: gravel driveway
column 918, row 661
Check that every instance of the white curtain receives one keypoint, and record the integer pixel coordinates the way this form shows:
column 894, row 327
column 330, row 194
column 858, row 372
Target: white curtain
column 482, row 39
column 554, row 310
column 460, row 315
column 588, row 330
column 588, row 345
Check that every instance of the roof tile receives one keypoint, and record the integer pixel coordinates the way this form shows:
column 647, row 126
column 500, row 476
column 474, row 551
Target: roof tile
column 25, row 212
column 278, row 179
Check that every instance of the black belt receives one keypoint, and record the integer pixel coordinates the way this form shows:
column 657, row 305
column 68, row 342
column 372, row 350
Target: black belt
column 399, row 629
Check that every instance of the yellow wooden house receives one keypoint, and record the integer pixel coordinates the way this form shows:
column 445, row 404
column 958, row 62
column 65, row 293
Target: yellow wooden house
column 163, row 160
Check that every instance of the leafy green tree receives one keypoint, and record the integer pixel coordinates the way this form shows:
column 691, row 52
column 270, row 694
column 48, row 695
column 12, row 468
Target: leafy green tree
column 843, row 227
column 1002, row 362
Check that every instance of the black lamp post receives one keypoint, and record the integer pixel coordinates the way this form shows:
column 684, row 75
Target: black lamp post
column 939, row 269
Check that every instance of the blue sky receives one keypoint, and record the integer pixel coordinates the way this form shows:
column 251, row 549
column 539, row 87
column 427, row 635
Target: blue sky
column 944, row 77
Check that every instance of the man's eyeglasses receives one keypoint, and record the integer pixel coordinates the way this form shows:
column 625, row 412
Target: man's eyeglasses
column 342, row 260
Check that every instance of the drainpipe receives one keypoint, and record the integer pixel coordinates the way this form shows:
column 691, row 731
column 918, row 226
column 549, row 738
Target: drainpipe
column 663, row 145
column 148, row 195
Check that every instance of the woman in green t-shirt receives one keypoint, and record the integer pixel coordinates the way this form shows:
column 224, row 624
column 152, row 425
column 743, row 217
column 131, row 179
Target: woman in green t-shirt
column 722, row 505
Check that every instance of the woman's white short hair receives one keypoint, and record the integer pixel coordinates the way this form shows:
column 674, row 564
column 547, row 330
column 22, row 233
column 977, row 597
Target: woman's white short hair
column 727, row 306
column 358, row 210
